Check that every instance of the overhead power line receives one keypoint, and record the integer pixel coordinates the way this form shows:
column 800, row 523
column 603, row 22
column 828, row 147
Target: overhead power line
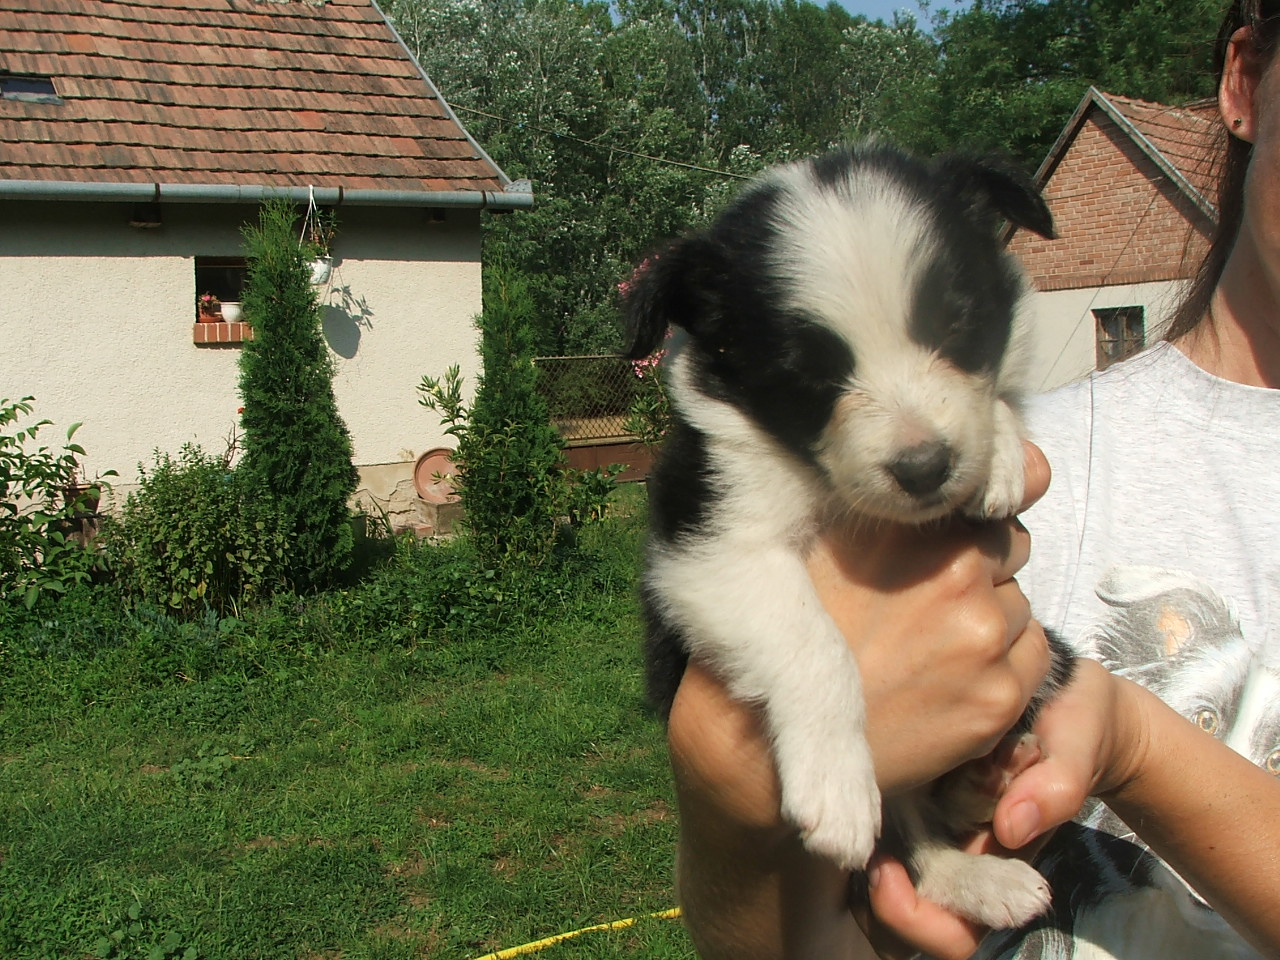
column 603, row 146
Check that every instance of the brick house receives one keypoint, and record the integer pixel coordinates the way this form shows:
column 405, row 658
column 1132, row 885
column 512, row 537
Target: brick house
column 1131, row 186
column 138, row 137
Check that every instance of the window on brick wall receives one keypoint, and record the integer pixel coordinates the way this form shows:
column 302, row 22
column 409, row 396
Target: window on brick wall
column 223, row 277
column 1119, row 332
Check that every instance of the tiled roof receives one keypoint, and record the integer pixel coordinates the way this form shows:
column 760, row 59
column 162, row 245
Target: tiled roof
column 1185, row 136
column 1184, row 142
column 247, row 93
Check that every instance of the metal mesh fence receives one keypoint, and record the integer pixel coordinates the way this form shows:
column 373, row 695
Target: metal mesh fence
column 588, row 398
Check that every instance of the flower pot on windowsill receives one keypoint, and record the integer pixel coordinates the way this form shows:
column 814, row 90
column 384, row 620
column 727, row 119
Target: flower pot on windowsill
column 231, row 312
column 205, row 316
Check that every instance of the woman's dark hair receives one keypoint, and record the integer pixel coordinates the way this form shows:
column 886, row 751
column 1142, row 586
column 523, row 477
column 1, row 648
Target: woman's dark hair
column 1263, row 16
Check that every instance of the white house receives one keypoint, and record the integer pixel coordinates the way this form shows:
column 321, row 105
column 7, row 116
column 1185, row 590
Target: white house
column 135, row 142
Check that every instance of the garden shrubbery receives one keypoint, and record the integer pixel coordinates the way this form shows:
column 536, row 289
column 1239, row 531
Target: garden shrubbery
column 268, row 538
column 41, row 503
column 197, row 535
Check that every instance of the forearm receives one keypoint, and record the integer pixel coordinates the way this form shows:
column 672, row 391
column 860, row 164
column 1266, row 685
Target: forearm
column 1211, row 814
column 748, row 900
column 748, row 889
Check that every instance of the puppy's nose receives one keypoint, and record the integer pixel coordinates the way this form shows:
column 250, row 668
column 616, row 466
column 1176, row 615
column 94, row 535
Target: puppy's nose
column 922, row 469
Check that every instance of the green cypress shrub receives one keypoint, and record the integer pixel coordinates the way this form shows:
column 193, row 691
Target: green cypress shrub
column 296, row 445
column 512, row 485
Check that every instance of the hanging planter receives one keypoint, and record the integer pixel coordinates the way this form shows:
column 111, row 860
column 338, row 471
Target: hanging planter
column 319, row 227
column 321, row 269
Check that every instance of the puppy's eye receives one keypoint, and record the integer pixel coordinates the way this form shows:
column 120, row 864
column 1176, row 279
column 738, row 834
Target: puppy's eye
column 1273, row 762
column 1206, row 718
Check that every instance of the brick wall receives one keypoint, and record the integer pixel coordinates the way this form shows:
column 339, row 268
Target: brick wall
column 1119, row 219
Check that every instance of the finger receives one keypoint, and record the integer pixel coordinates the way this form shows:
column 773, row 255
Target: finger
column 919, row 925
column 1015, row 608
column 1029, row 659
column 1036, row 474
column 1008, row 544
column 985, row 841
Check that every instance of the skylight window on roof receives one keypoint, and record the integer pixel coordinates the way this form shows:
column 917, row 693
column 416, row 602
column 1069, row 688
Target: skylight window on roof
column 31, row 89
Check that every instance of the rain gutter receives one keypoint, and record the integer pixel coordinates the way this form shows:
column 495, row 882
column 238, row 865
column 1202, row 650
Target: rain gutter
column 517, row 194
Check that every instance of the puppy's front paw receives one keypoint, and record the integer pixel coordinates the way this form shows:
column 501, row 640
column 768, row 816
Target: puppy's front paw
column 992, row 891
column 997, row 500
column 836, row 805
column 1001, row 495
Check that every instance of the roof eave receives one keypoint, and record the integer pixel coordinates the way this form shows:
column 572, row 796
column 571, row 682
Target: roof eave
column 1154, row 154
column 1096, row 98
column 515, row 196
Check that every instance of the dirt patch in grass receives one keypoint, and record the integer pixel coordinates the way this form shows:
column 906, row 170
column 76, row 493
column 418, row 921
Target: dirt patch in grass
column 657, row 812
column 414, row 865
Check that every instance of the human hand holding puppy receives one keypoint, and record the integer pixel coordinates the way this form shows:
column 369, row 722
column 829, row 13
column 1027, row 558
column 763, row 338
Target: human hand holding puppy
column 949, row 656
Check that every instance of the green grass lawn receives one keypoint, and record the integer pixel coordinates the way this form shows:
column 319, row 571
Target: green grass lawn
column 374, row 774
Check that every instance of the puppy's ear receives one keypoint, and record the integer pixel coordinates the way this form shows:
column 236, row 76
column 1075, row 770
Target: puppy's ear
column 998, row 186
column 663, row 291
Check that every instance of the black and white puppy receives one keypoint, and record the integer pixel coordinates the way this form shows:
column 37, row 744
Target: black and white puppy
column 851, row 329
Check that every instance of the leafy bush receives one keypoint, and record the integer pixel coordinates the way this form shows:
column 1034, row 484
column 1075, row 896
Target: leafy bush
column 296, row 445
column 649, row 417
column 197, row 535
column 41, row 505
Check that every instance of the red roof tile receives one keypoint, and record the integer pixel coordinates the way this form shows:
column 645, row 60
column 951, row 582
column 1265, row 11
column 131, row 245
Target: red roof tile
column 1185, row 143
column 261, row 93
column 1188, row 137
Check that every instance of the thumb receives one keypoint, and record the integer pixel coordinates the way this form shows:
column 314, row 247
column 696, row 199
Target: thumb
column 1075, row 730
column 1037, row 800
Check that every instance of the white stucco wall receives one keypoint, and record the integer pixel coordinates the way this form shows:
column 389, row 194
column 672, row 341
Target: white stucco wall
column 96, row 316
column 1062, row 343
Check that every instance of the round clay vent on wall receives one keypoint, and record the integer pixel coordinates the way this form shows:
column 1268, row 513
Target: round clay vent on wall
column 431, row 476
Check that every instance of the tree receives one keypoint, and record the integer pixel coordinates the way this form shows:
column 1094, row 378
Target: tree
column 296, row 446
column 635, row 120
column 1013, row 70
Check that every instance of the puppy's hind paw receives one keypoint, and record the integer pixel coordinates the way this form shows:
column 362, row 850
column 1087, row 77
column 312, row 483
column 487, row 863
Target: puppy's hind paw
column 997, row 893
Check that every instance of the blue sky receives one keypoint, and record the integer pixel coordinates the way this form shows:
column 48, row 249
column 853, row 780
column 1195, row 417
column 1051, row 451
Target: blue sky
column 883, row 9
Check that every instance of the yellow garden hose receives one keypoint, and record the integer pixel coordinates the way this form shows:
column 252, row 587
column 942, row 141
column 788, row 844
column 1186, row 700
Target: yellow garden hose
column 559, row 937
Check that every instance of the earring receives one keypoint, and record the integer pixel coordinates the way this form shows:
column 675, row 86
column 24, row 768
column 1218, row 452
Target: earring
column 1237, row 123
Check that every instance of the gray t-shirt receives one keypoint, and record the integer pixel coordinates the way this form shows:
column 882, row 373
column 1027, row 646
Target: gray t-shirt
column 1156, row 551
